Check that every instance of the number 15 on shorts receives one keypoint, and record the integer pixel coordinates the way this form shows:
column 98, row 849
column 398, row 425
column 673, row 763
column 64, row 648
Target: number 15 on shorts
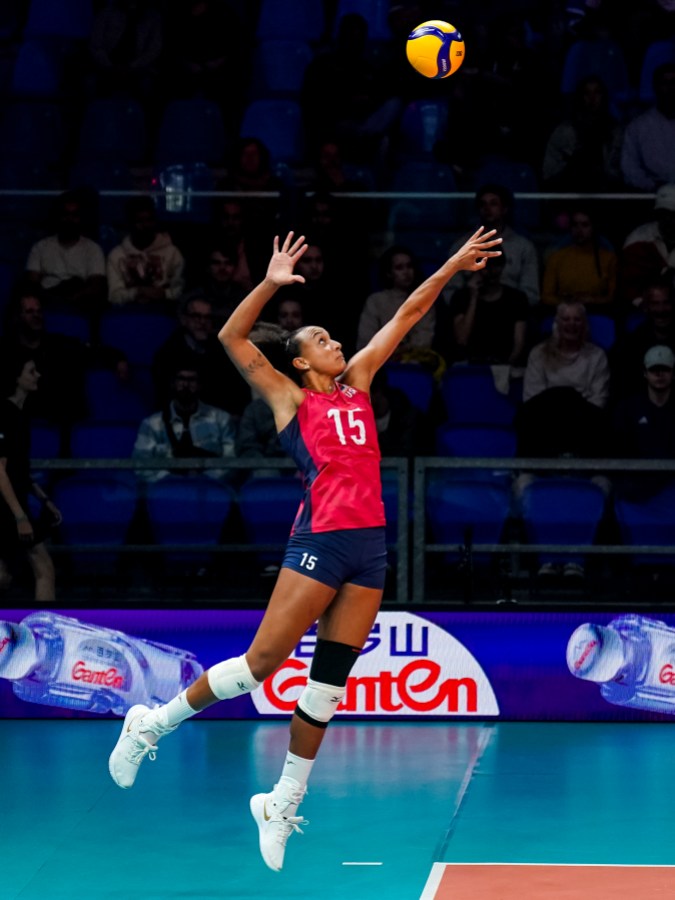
column 307, row 561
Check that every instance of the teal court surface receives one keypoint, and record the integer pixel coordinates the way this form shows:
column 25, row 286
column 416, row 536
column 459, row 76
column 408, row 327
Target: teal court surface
column 398, row 811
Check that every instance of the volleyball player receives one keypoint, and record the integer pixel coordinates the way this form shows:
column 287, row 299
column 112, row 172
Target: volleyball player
column 334, row 567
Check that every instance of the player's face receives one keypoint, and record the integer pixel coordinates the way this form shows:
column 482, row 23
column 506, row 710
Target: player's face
column 320, row 352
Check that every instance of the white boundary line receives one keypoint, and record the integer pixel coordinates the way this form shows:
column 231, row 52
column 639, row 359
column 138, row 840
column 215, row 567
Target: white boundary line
column 433, row 881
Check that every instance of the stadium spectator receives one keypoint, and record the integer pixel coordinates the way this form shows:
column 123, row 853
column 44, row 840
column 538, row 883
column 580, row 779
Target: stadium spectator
column 583, row 152
column 125, row 47
column 648, row 151
column 185, row 428
column 645, row 420
column 147, row 267
column 494, row 203
column 21, row 534
column 584, row 268
column 217, row 282
column 61, row 360
column 657, row 327
column 648, row 252
column 194, row 341
column 489, row 319
column 67, row 265
column 565, row 391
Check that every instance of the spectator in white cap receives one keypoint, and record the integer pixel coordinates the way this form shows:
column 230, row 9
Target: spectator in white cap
column 645, row 421
column 648, row 252
column 648, row 151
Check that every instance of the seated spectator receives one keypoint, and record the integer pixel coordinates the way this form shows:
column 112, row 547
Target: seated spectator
column 584, row 269
column 218, row 283
column 60, row 359
column 21, row 535
column 583, row 152
column 565, row 391
column 146, row 268
column 644, row 423
column 290, row 315
column 125, row 46
column 232, row 225
column 489, row 318
column 658, row 327
column 565, row 394
column 649, row 250
column 195, row 341
column 329, row 171
column 645, row 420
column 69, row 267
column 185, row 428
column 648, row 151
column 494, row 203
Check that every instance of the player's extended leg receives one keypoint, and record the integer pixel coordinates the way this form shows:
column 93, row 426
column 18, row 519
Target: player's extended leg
column 343, row 630
column 296, row 602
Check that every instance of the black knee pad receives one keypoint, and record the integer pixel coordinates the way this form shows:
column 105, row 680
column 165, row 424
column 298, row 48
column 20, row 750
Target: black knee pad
column 332, row 662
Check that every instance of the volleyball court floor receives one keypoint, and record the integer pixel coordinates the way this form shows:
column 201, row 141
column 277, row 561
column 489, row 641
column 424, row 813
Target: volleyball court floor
column 399, row 811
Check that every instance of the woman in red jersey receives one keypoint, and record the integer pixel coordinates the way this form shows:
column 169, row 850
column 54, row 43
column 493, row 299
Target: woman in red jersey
column 334, row 567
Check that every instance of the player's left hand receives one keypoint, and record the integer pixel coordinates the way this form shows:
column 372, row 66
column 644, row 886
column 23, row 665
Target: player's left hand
column 474, row 254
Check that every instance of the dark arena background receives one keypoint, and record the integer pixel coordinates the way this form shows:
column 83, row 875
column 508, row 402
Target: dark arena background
column 504, row 732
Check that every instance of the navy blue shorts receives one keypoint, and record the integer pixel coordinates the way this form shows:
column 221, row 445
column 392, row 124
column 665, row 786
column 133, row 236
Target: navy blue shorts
column 353, row 556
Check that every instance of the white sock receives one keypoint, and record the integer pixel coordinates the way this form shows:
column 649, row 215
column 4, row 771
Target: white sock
column 168, row 716
column 295, row 774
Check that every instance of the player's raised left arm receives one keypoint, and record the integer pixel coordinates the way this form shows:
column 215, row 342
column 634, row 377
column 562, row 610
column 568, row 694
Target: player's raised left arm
column 471, row 256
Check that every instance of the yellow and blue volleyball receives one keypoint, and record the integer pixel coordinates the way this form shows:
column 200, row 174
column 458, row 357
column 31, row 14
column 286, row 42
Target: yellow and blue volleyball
column 435, row 49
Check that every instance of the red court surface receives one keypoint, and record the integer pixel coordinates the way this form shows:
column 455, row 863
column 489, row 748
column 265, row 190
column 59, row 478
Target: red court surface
column 543, row 882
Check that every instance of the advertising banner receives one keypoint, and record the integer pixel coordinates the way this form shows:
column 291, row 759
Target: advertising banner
column 514, row 665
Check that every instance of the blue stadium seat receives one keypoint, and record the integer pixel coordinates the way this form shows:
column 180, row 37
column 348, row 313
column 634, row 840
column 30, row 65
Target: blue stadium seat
column 470, row 396
column 278, row 68
column 113, row 129
column 562, row 510
column 268, row 507
column 189, row 510
column 97, row 508
column 598, row 57
column 33, row 129
column 38, row 69
column 110, row 400
column 192, row 131
column 103, row 440
column 278, row 124
column 45, row 440
column 136, row 333
column 657, row 53
column 73, row 324
column 302, row 20
column 475, row 440
column 416, row 382
column 375, row 12
column 64, row 18
column 647, row 519
column 458, row 509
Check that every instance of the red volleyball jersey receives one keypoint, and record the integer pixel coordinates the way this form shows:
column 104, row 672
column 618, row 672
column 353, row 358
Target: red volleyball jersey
column 333, row 440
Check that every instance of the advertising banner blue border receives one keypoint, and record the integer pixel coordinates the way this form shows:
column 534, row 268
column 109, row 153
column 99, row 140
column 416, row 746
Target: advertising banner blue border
column 515, row 665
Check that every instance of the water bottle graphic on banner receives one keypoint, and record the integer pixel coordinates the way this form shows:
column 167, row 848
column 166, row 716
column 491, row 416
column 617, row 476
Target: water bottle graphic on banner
column 60, row 661
column 632, row 658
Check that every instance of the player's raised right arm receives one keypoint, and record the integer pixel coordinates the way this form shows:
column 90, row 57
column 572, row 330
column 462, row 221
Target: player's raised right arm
column 234, row 335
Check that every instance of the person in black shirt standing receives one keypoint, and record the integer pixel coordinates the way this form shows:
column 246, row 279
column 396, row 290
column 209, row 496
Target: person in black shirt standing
column 19, row 532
